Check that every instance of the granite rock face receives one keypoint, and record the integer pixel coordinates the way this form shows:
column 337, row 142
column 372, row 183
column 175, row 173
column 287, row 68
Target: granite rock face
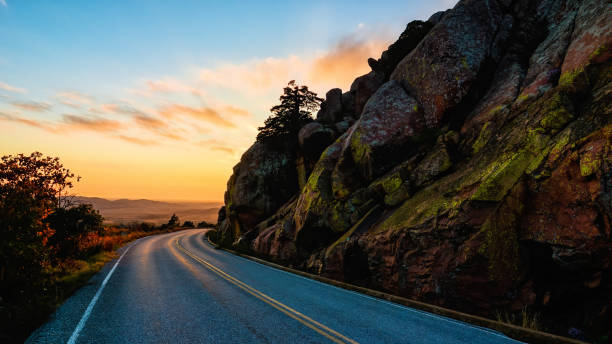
column 262, row 181
column 472, row 168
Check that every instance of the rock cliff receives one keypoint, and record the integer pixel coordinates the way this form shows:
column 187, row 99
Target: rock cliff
column 471, row 168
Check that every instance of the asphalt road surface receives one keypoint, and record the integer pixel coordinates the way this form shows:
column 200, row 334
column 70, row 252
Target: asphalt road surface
column 176, row 288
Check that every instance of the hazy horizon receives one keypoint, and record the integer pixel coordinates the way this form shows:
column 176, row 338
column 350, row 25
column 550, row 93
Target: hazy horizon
column 125, row 211
column 170, row 200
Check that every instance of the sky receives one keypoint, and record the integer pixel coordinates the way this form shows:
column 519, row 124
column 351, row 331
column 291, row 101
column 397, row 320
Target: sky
column 158, row 99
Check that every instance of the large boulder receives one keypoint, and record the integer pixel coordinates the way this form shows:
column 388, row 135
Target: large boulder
column 363, row 87
column 383, row 133
column 545, row 62
column 331, row 108
column 408, row 40
column 591, row 39
column 262, row 181
column 446, row 65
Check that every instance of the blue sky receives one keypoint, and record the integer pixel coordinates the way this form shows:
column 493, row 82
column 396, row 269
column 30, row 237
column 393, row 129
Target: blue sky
column 166, row 77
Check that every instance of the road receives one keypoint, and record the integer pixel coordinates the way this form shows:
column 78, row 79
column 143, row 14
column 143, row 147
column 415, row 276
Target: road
column 176, row 288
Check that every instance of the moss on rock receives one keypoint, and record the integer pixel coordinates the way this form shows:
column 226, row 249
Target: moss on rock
column 501, row 245
column 502, row 174
column 483, row 137
column 558, row 113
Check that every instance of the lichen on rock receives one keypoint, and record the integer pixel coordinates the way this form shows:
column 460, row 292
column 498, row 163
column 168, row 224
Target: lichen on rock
column 473, row 172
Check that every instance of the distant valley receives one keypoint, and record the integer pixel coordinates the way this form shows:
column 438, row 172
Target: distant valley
column 143, row 210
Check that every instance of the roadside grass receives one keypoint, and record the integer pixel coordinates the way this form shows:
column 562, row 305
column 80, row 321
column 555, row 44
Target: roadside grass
column 526, row 319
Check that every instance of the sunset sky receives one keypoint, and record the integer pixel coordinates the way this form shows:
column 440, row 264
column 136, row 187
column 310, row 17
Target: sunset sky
column 158, row 99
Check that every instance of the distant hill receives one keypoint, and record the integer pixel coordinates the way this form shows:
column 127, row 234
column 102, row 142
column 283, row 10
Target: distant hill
column 143, row 210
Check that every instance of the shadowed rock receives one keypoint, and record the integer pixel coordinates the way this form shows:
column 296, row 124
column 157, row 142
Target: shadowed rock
column 477, row 175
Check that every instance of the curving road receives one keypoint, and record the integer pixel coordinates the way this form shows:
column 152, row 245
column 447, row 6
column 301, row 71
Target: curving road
column 176, row 288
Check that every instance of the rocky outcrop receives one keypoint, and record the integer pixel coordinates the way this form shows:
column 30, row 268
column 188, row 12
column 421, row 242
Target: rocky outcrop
column 454, row 57
column 262, row 181
column 471, row 168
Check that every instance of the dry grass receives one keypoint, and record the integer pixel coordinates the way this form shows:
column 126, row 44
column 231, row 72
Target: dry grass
column 525, row 319
column 97, row 250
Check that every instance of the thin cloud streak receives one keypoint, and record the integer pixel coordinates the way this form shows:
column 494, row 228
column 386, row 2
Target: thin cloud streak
column 32, row 106
column 11, row 88
column 26, row 121
column 216, row 145
column 223, row 149
column 121, row 109
column 237, row 111
column 154, row 87
column 91, row 123
column 137, row 141
column 158, row 127
column 74, row 99
column 205, row 114
column 149, row 122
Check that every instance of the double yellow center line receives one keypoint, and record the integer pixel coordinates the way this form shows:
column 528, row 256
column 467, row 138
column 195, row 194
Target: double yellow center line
column 292, row 313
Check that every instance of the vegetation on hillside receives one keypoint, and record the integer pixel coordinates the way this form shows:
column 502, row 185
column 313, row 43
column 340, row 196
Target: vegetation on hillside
column 49, row 246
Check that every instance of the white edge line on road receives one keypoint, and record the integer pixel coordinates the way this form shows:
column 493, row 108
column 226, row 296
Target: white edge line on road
column 414, row 310
column 91, row 305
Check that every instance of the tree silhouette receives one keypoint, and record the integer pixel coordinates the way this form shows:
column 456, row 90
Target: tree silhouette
column 30, row 189
column 204, row 224
column 174, row 221
column 294, row 111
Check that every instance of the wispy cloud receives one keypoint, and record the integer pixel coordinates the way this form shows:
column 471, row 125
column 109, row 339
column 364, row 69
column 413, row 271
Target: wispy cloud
column 346, row 60
column 136, row 140
column 203, row 113
column 74, row 99
column 216, row 145
column 7, row 87
column 160, row 127
column 255, row 76
column 149, row 122
column 91, row 123
column 120, row 108
column 237, row 111
column 3, row 3
column 27, row 121
column 223, row 149
column 336, row 67
column 32, row 106
column 153, row 87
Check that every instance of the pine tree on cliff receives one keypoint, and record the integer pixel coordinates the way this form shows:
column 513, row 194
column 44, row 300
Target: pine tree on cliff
column 294, row 111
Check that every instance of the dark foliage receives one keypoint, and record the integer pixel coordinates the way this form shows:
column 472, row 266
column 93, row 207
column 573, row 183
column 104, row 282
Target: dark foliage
column 295, row 110
column 31, row 188
column 173, row 222
column 204, row 224
column 188, row 224
column 71, row 225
